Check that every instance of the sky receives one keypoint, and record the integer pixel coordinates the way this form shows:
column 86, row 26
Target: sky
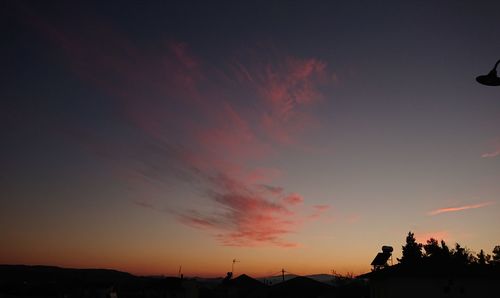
column 145, row 136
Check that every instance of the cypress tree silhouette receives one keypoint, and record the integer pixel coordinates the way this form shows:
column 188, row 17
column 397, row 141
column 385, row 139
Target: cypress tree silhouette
column 432, row 249
column 495, row 259
column 481, row 258
column 461, row 255
column 412, row 251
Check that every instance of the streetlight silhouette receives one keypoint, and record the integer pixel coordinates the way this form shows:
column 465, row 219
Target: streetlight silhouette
column 491, row 79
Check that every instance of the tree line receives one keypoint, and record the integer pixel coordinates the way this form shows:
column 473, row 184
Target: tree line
column 439, row 252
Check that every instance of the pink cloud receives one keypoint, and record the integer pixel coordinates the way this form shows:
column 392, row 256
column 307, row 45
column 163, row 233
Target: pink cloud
column 287, row 90
column 274, row 190
column 491, row 154
column 495, row 143
column 180, row 50
column 232, row 135
column 293, row 199
column 458, row 208
column 244, row 217
column 321, row 208
column 186, row 111
column 318, row 211
column 291, row 84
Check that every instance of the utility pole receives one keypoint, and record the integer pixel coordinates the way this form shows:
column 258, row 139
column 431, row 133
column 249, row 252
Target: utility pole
column 283, row 273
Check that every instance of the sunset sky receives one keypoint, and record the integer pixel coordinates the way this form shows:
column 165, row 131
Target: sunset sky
column 143, row 136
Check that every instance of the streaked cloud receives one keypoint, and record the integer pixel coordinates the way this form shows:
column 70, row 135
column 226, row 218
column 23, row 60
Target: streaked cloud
column 491, row 154
column 495, row 144
column 459, row 208
column 197, row 125
column 318, row 211
column 293, row 199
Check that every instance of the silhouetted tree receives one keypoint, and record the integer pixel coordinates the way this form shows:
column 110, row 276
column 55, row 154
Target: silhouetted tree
column 445, row 249
column 495, row 259
column 435, row 252
column 228, row 277
column 481, row 258
column 412, row 251
column 432, row 248
column 461, row 255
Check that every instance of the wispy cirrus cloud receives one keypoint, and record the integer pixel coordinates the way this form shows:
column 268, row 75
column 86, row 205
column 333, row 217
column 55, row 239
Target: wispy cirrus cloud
column 495, row 143
column 286, row 88
column 491, row 154
column 214, row 127
column 318, row 211
column 459, row 208
column 293, row 199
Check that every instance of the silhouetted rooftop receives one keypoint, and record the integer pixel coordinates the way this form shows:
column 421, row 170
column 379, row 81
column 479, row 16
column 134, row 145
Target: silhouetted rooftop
column 432, row 269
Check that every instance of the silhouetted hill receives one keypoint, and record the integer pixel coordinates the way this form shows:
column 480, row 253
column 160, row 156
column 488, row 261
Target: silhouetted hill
column 50, row 281
column 301, row 287
column 324, row 278
column 25, row 273
column 246, row 282
column 273, row 280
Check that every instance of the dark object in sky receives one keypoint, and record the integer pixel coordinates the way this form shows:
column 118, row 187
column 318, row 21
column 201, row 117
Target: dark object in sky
column 491, row 79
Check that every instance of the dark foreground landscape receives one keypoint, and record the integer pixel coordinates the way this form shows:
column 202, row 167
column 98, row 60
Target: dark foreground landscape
column 427, row 279
column 48, row 281
column 424, row 270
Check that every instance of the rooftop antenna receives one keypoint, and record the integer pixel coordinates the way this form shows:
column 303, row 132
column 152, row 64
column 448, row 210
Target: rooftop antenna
column 232, row 267
column 180, row 271
column 283, row 273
